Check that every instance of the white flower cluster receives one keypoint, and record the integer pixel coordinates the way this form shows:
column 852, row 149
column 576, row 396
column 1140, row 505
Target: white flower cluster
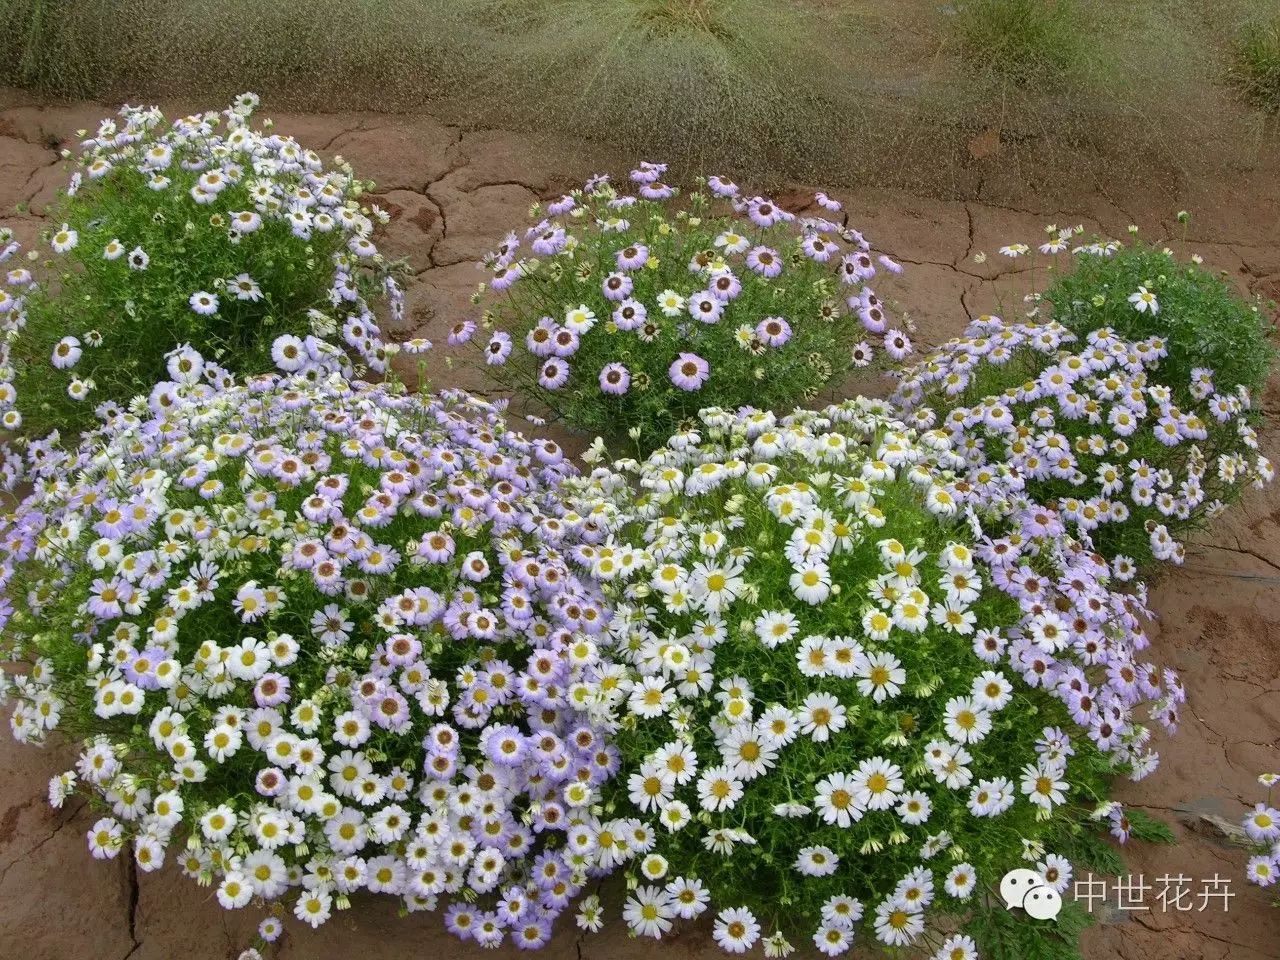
column 221, row 194
column 1092, row 426
column 821, row 650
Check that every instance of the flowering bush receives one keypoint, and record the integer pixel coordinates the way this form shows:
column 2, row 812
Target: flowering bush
column 206, row 231
column 1133, row 457
column 840, row 700
column 1142, row 291
column 315, row 638
column 622, row 312
column 1262, row 830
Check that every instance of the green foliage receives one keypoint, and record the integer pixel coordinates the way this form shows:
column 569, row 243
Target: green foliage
column 1143, row 826
column 1011, row 935
column 1204, row 321
column 150, row 223
column 1088, row 849
column 688, row 252
column 1256, row 67
column 1024, row 41
column 54, row 46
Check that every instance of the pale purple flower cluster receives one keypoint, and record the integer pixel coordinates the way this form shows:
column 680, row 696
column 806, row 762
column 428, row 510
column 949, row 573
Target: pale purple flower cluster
column 364, row 596
column 1093, row 427
column 1262, row 832
column 1077, row 638
column 639, row 292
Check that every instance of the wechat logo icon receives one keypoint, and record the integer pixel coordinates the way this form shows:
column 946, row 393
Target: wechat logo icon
column 1027, row 889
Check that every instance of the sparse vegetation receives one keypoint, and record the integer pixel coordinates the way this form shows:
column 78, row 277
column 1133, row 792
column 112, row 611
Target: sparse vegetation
column 829, row 91
column 1022, row 41
column 1256, row 71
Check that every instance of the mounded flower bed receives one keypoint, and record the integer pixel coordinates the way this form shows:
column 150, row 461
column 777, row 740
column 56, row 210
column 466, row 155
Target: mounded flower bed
column 1092, row 424
column 846, row 709
column 1129, row 397
column 211, row 231
column 627, row 312
column 823, row 677
column 315, row 638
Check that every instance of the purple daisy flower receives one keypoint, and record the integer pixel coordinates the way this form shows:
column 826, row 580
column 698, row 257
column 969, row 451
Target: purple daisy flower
column 554, row 374
column 775, row 331
column 764, row 213
column 633, row 257
column 722, row 187
column 724, row 286
column 873, row 319
column 630, row 315
column 648, row 172
column 498, row 349
column 657, row 191
column 391, row 711
column 532, row 934
column 540, row 340
column 890, row 264
column 616, row 286
column 550, row 241
column 271, row 690
column 689, row 371
column 270, row 782
column 562, row 206
column 564, row 343
column 896, row 344
column 855, row 267
column 818, row 248
column 506, row 275
column 705, row 307
column 615, row 379
column 461, row 332
column 764, row 261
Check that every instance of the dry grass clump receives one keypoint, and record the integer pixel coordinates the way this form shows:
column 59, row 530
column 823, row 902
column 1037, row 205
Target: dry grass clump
column 832, row 91
column 1256, row 66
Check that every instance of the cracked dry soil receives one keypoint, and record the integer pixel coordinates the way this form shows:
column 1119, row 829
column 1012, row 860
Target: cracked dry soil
column 451, row 194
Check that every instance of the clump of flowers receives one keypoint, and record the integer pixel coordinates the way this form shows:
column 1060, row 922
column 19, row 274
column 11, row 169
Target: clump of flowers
column 211, row 230
column 1132, row 457
column 1142, row 291
column 315, row 638
column 844, row 708
column 629, row 312
column 1262, row 832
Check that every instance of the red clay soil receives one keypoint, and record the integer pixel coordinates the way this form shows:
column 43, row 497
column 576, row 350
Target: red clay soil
column 451, row 193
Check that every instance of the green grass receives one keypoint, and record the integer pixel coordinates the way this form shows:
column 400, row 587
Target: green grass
column 1023, row 41
column 54, row 46
column 830, row 91
column 1067, row 82
column 1203, row 320
column 724, row 84
column 1256, row 71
